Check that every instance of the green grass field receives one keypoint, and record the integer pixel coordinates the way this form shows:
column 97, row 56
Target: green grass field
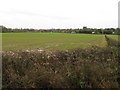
column 117, row 37
column 54, row 41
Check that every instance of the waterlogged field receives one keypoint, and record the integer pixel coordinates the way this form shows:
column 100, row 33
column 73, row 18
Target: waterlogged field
column 55, row 41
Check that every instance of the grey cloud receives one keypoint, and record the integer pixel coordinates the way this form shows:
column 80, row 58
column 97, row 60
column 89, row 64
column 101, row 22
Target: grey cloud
column 15, row 12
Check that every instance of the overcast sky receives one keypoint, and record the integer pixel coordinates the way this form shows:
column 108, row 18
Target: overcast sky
column 59, row 13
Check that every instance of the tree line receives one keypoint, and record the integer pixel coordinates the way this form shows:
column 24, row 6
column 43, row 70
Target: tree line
column 85, row 30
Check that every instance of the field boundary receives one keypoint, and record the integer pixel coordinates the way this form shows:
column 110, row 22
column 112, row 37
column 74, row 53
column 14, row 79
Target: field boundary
column 112, row 42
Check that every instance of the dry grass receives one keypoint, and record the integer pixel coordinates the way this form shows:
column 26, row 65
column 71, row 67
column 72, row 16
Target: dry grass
column 80, row 68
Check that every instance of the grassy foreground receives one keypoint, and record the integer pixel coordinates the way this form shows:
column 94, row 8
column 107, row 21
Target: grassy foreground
column 50, row 41
column 94, row 67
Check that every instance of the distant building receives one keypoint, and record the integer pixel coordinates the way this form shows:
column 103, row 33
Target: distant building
column 37, row 30
column 73, row 32
column 93, row 32
column 2, row 27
